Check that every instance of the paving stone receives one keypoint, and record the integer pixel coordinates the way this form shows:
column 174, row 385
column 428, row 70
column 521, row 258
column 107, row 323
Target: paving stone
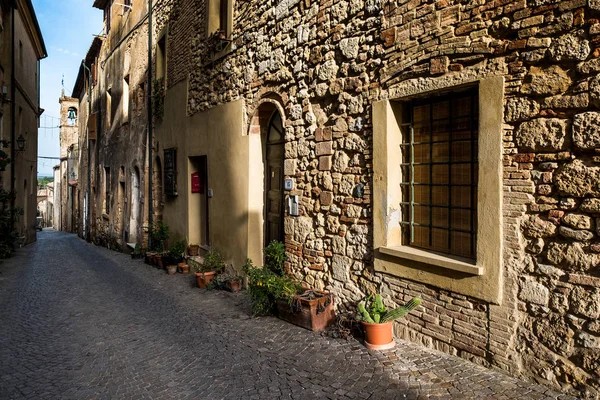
column 80, row 322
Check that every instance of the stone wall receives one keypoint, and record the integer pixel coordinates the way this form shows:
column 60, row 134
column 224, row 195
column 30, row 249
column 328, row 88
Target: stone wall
column 329, row 61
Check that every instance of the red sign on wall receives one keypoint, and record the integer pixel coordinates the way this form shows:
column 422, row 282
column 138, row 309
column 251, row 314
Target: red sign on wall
column 196, row 183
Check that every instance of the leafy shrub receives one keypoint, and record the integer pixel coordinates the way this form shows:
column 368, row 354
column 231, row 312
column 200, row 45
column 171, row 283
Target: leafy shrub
column 177, row 249
column 159, row 232
column 275, row 257
column 213, row 261
column 266, row 287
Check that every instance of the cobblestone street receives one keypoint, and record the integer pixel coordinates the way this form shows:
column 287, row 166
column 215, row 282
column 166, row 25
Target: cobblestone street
column 82, row 322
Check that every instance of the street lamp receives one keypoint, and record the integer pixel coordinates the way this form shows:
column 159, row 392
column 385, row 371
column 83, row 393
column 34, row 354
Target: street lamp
column 21, row 143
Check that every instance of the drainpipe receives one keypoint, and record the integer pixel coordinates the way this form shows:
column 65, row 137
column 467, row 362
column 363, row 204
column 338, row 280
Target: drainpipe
column 12, row 114
column 89, row 168
column 150, row 164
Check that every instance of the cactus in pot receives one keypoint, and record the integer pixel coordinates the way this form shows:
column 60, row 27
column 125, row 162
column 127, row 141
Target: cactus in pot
column 377, row 320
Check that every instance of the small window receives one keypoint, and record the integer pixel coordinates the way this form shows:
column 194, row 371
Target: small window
column 108, row 109
column 161, row 58
column 219, row 12
column 439, row 174
column 125, row 99
column 107, row 190
column 223, row 10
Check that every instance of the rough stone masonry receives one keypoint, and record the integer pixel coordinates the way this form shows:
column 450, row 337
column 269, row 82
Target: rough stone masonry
column 327, row 61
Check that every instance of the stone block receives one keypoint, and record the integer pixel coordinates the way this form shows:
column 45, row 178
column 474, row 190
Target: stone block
column 569, row 47
column 535, row 227
column 572, row 257
column 388, row 37
column 326, row 198
column 543, row 134
column 576, row 234
column 591, row 206
column 533, row 292
column 578, row 179
column 521, row 108
column 325, row 163
column 546, row 81
column 289, row 167
column 586, row 130
column 340, row 266
column 584, row 280
column 324, row 148
column 578, row 221
column 349, row 47
column 439, row 65
column 585, row 302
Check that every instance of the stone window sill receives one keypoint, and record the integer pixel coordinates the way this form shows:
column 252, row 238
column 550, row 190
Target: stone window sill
column 460, row 264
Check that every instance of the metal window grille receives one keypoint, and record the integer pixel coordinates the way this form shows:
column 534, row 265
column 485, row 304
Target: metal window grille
column 439, row 174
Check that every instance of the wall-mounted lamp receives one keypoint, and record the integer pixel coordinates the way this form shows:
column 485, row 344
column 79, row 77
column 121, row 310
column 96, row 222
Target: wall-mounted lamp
column 20, row 143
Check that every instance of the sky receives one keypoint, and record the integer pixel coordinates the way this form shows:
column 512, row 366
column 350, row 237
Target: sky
column 68, row 27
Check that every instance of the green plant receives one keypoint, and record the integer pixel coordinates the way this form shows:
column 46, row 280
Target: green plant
column 373, row 311
column 266, row 287
column 177, row 250
column 158, row 99
column 275, row 257
column 213, row 261
column 8, row 220
column 159, row 233
column 222, row 280
column 4, row 160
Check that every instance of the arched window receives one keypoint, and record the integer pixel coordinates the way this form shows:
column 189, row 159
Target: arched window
column 72, row 116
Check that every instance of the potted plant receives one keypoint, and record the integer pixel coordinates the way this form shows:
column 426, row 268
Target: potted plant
column 266, row 288
column 275, row 257
column 176, row 254
column 137, row 252
column 312, row 309
column 193, row 250
column 213, row 264
column 378, row 321
column 159, row 233
column 228, row 280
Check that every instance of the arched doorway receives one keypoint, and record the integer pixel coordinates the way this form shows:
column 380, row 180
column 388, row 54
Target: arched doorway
column 134, row 215
column 274, row 155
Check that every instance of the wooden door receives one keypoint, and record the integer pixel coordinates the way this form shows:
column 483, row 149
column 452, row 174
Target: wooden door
column 274, row 180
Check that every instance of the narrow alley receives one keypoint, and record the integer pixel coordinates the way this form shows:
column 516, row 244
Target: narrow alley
column 84, row 322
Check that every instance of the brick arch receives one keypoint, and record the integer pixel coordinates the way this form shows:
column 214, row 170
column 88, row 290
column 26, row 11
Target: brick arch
column 263, row 112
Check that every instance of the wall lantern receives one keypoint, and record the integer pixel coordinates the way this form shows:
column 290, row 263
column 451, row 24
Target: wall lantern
column 20, row 143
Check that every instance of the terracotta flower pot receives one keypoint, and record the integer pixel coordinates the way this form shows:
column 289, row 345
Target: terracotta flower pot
column 184, row 268
column 193, row 250
column 171, row 269
column 204, row 278
column 159, row 262
column 235, row 285
column 379, row 336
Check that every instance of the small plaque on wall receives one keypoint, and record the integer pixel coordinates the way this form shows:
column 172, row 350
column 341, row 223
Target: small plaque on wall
column 170, row 172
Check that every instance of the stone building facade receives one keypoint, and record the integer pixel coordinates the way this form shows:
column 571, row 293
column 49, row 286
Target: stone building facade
column 21, row 50
column 444, row 149
column 112, row 136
